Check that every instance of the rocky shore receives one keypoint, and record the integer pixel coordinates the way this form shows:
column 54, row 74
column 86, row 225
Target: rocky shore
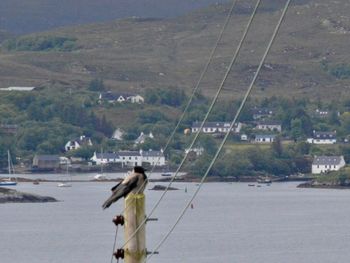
column 313, row 184
column 12, row 196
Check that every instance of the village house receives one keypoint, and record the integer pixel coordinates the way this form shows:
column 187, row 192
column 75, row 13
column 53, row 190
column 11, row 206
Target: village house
column 261, row 113
column 196, row 150
column 153, row 158
column 77, row 143
column 17, row 89
column 265, row 138
column 321, row 113
column 216, row 127
column 323, row 164
column 142, row 138
column 104, row 158
column 111, row 97
column 323, row 138
column 46, row 162
column 130, row 158
column 244, row 137
column 269, row 125
column 118, row 135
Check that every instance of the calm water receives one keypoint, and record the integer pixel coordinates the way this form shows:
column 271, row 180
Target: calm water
column 229, row 223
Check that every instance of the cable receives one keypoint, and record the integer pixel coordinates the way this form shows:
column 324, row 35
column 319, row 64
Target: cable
column 194, row 91
column 228, row 132
column 114, row 244
column 205, row 118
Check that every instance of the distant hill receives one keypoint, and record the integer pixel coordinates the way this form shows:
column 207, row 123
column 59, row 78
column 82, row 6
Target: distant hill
column 310, row 57
column 28, row 16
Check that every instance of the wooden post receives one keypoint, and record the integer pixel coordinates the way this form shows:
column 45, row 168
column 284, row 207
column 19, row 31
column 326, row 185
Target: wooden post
column 135, row 249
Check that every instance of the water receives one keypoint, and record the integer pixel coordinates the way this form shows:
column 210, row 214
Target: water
column 228, row 223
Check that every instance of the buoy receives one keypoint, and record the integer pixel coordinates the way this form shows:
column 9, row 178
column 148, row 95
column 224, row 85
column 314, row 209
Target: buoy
column 185, row 189
column 192, row 206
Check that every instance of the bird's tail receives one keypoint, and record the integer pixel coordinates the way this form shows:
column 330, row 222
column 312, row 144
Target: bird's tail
column 107, row 203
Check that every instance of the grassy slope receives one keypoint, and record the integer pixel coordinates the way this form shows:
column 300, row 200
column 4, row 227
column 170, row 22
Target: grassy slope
column 136, row 54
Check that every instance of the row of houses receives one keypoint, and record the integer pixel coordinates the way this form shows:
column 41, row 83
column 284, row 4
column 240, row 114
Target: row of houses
column 112, row 97
column 123, row 158
column 130, row 158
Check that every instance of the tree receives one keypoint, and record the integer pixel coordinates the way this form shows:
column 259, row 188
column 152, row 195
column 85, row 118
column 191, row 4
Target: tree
column 277, row 147
column 96, row 85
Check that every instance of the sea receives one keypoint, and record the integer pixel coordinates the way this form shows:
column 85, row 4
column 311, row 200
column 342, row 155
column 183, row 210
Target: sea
column 227, row 222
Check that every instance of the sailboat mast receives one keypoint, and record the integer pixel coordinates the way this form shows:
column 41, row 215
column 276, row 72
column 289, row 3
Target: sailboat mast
column 8, row 162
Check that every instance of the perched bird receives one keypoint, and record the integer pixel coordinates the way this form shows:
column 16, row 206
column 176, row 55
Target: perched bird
column 134, row 183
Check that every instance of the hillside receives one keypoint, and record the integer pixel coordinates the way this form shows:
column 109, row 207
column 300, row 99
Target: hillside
column 137, row 54
column 19, row 17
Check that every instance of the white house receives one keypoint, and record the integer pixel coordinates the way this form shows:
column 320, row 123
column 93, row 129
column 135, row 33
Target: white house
column 322, row 164
column 118, row 134
column 265, row 138
column 269, row 125
column 216, row 127
column 142, row 138
column 323, row 138
column 18, row 89
column 104, row 158
column 136, row 99
column 197, row 150
column 112, row 97
column 77, row 143
column 154, row 158
column 244, row 137
column 130, row 158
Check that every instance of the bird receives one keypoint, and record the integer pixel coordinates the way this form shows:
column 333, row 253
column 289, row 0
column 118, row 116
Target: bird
column 135, row 183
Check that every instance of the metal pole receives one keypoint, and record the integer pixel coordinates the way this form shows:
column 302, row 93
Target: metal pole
column 134, row 214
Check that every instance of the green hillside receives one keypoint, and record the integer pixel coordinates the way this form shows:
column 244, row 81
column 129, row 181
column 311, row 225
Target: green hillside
column 309, row 58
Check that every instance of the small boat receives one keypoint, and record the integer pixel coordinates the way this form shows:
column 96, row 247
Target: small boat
column 251, row 184
column 66, row 183
column 265, row 180
column 167, row 174
column 8, row 181
column 100, row 177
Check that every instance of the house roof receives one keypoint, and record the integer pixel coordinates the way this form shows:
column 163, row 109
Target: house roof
column 107, row 156
column 128, row 153
column 114, row 96
column 325, row 135
column 48, row 157
column 327, row 160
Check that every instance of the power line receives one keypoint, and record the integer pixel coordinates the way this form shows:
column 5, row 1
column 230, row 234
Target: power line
column 228, row 132
column 207, row 114
column 194, row 91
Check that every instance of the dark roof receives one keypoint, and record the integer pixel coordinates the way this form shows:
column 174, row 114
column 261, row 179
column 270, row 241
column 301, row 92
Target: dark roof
column 47, row 157
column 325, row 135
column 107, row 156
column 114, row 96
column 327, row 160
column 128, row 153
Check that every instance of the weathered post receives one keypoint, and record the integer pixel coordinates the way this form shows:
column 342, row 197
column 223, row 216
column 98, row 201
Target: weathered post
column 134, row 214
